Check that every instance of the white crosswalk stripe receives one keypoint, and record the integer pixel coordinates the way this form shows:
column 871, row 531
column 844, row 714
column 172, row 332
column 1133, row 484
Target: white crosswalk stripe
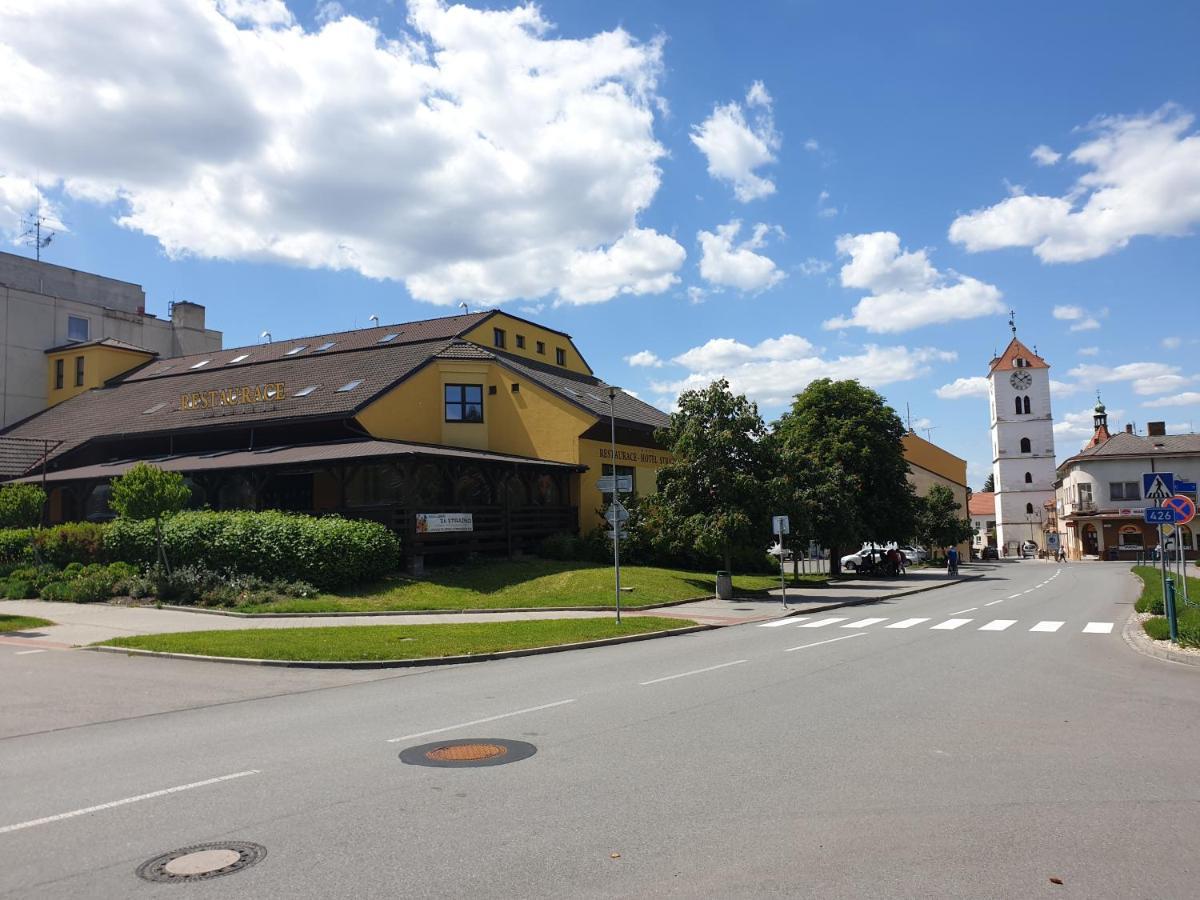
column 777, row 622
column 1047, row 626
column 998, row 625
column 863, row 623
column 907, row 623
column 1098, row 628
column 820, row 623
column 950, row 624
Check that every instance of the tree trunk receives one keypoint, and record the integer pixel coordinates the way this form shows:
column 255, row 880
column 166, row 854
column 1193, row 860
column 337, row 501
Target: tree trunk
column 162, row 551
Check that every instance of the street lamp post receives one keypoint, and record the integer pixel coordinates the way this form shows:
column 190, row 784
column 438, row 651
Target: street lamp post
column 616, row 525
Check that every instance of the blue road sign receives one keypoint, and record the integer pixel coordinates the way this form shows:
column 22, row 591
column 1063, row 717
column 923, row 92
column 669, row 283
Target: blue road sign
column 1158, row 485
column 1159, row 515
column 1185, row 487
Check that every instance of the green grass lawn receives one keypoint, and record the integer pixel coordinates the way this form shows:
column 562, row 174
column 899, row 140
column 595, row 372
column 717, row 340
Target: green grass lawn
column 21, row 623
column 1151, row 601
column 378, row 642
column 525, row 584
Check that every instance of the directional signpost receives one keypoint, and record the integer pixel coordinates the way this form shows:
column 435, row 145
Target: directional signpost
column 781, row 526
column 1160, row 487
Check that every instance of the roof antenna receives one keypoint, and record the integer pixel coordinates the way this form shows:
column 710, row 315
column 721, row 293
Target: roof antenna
column 33, row 236
column 1012, row 321
column 267, row 335
column 374, row 319
column 463, row 306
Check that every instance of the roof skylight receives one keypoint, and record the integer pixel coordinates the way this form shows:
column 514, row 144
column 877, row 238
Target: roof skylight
column 387, row 338
column 325, row 346
column 296, row 350
column 239, row 358
column 155, row 408
column 304, row 392
column 202, row 363
column 349, row 386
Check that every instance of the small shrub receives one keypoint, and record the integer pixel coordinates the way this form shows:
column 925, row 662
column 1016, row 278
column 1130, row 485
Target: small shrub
column 73, row 569
column 75, row 542
column 56, row 590
column 19, row 589
column 14, row 546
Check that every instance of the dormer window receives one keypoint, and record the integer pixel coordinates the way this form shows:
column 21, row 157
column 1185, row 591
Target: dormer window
column 1020, row 362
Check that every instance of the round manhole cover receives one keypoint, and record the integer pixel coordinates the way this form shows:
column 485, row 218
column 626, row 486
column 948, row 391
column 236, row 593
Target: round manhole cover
column 469, row 752
column 202, row 861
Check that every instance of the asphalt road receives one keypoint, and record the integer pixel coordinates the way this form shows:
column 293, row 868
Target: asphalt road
column 816, row 758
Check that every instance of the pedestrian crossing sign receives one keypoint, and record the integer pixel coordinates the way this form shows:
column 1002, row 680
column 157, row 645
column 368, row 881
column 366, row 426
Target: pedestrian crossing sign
column 1158, row 485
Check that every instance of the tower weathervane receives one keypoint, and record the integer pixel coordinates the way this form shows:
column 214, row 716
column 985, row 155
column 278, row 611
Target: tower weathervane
column 1012, row 321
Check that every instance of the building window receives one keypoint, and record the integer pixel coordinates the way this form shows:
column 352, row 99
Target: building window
column 1085, row 495
column 78, row 328
column 1029, row 478
column 1017, row 404
column 79, row 371
column 1028, row 509
column 59, row 375
column 464, row 403
column 498, row 338
column 1026, row 446
column 1131, row 536
column 1124, row 490
column 1025, row 403
column 520, row 342
column 560, row 356
column 1020, row 362
column 541, row 347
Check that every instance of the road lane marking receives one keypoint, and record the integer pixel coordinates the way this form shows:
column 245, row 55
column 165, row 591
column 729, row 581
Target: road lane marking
column 961, row 611
column 998, row 625
column 949, row 625
column 27, row 652
column 693, row 672
column 822, row 622
column 1098, row 628
column 786, row 620
column 1047, row 626
column 863, row 623
column 907, row 623
column 115, row 803
column 994, row 602
column 517, row 712
column 1013, row 596
column 844, row 637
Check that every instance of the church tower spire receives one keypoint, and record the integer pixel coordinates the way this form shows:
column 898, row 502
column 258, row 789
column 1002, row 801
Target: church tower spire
column 1100, row 423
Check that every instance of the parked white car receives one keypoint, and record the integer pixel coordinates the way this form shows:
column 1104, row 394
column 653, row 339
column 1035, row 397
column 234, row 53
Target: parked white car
column 914, row 554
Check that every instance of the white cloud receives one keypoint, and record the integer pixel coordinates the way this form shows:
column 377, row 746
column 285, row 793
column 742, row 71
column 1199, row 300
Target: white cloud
column 735, row 148
column 774, row 370
column 1146, row 378
column 1188, row 398
column 812, row 145
column 1080, row 425
column 907, row 291
column 1044, row 155
column 814, row 266
column 725, row 263
column 1081, row 319
column 824, row 210
column 644, row 358
column 642, row 261
column 975, row 386
column 1089, row 351
column 1062, row 388
column 1172, row 343
column 918, row 424
column 477, row 155
column 696, row 294
column 1069, row 313
column 1143, row 178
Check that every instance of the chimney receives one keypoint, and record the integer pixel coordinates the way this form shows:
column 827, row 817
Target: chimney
column 185, row 314
column 1156, row 429
column 1129, row 428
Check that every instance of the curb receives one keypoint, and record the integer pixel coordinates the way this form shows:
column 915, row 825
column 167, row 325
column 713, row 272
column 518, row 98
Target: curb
column 1135, row 636
column 403, row 663
column 420, row 612
column 805, row 610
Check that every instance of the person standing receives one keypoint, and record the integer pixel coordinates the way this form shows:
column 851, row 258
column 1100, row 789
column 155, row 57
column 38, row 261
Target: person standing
column 952, row 561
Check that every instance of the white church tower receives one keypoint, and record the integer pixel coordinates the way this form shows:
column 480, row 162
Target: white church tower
column 1022, row 443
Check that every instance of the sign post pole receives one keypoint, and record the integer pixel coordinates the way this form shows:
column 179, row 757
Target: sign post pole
column 616, row 525
column 782, row 527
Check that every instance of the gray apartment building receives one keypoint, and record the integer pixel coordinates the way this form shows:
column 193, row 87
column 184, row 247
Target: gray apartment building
column 44, row 306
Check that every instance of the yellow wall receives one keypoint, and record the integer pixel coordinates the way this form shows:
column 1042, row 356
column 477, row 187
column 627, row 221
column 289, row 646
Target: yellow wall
column 413, row 411
column 597, row 454
column 483, row 336
column 99, row 365
column 931, row 465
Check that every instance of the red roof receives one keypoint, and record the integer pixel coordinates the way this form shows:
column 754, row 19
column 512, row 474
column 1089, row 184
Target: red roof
column 982, row 504
column 1015, row 348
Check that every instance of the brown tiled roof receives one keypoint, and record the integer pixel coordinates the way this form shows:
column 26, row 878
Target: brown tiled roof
column 982, row 504
column 1126, row 445
column 103, row 342
column 343, row 341
column 1014, row 349
column 335, row 451
column 123, row 408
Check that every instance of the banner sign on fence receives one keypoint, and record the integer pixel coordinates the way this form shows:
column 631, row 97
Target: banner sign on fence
column 430, row 523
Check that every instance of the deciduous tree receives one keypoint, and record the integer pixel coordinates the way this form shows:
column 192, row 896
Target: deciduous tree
column 940, row 522
column 148, row 492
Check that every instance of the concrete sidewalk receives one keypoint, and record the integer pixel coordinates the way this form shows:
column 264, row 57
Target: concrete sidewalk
column 79, row 624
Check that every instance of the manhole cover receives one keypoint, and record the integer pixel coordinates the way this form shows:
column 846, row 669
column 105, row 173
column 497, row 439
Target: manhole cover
column 202, row 861
column 469, row 752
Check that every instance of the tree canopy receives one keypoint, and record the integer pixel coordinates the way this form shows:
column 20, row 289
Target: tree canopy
column 989, row 483
column 714, row 497
column 148, row 492
column 939, row 519
column 21, row 505
column 844, row 471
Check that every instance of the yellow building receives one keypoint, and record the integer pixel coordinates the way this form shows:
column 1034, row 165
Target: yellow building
column 929, row 465
column 483, row 431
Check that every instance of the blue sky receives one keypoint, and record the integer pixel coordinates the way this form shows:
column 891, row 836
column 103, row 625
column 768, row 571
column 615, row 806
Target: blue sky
column 767, row 191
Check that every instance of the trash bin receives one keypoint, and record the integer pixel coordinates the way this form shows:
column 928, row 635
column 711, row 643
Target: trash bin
column 724, row 586
column 1113, row 554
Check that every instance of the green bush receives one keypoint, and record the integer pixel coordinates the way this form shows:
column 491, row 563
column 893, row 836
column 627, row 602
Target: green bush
column 56, row 590
column 18, row 589
column 74, row 542
column 14, row 546
column 329, row 552
column 1187, row 624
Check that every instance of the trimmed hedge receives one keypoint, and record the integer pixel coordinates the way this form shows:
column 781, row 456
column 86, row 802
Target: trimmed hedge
column 14, row 545
column 74, row 542
column 329, row 552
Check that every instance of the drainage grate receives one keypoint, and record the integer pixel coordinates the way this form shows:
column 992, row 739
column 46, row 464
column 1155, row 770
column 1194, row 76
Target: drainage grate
column 202, row 861
column 469, row 752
